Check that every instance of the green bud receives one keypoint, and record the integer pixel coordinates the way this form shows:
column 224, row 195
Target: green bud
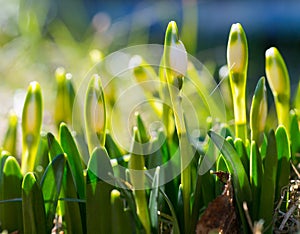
column 277, row 73
column 237, row 59
column 258, row 112
column 175, row 56
column 95, row 113
column 237, row 50
column 279, row 81
column 10, row 139
column 31, row 125
column 64, row 97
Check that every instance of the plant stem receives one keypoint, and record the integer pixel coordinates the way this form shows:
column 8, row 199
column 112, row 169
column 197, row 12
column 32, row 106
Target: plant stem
column 282, row 108
column 241, row 131
column 136, row 165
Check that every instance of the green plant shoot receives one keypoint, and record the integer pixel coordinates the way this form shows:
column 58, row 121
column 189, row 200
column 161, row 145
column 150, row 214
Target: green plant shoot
column 258, row 112
column 64, row 97
column 175, row 61
column 95, row 113
column 136, row 165
column 237, row 59
column 10, row 139
column 279, row 82
column 31, row 126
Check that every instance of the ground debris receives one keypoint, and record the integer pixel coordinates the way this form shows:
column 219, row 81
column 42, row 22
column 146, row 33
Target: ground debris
column 220, row 215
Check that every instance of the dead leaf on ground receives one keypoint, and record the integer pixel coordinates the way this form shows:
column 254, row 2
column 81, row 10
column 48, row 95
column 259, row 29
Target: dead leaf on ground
column 220, row 215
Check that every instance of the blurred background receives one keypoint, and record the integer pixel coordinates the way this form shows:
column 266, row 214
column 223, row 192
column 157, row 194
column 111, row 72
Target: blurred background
column 37, row 36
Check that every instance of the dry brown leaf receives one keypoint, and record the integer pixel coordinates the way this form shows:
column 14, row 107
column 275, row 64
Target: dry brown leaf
column 220, row 215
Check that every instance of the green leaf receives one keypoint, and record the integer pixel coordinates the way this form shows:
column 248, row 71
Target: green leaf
column 51, row 186
column 197, row 199
column 284, row 157
column 242, row 189
column 98, row 189
column 126, row 191
column 74, row 160
column 111, row 147
column 42, row 157
column 10, row 194
column 267, row 197
column 120, row 220
column 142, row 128
column 226, row 131
column 75, row 170
column 296, row 103
column 295, row 137
column 220, row 166
column 33, row 205
column 236, row 168
column 173, row 217
column 54, row 147
column 256, row 174
column 153, row 201
column 207, row 187
column 3, row 156
column 242, row 152
column 137, row 177
column 71, row 206
column 179, row 209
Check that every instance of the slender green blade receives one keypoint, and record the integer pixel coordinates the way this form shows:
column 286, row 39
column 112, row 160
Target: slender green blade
column 179, row 209
column 75, row 168
column 256, row 174
column 242, row 152
column 10, row 189
column 127, row 192
column 295, row 137
column 284, row 156
column 153, row 202
column 236, row 168
column 51, row 186
column 42, row 157
column 98, row 190
column 33, row 205
column 207, row 188
column 242, row 189
column 72, row 217
column 120, row 220
column 220, row 166
column 54, row 147
column 268, row 186
column 111, row 147
column 74, row 160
